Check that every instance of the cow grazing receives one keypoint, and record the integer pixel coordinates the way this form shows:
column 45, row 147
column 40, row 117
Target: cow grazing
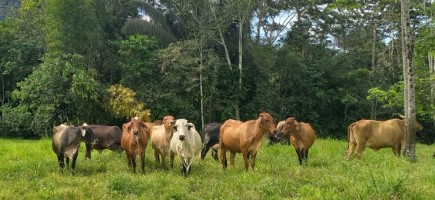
column 186, row 143
column 109, row 137
column 211, row 139
column 244, row 137
column 376, row 135
column 134, row 142
column 66, row 142
column 301, row 136
column 161, row 138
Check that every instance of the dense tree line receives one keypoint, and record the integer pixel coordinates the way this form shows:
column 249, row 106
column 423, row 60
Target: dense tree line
column 103, row 61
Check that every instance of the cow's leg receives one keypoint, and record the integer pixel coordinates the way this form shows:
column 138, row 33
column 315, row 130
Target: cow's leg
column 171, row 157
column 306, row 156
column 299, row 152
column 396, row 149
column 128, row 159
column 232, row 158
column 350, row 149
column 133, row 162
column 359, row 150
column 253, row 157
column 156, row 156
column 142, row 162
column 73, row 164
column 164, row 161
column 88, row 151
column 245, row 158
column 223, row 157
column 60, row 160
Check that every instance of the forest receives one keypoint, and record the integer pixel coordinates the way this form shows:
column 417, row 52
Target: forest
column 328, row 63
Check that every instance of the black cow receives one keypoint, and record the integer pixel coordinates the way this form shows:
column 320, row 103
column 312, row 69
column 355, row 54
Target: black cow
column 66, row 142
column 211, row 139
column 109, row 137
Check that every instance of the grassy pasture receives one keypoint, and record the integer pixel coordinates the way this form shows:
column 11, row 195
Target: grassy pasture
column 29, row 170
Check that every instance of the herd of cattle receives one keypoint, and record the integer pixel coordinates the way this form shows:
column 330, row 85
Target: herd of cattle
column 170, row 137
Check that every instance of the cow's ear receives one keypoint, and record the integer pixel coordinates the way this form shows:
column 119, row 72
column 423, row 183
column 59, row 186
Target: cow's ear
column 189, row 126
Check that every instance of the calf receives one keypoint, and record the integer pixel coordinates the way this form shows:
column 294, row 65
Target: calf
column 211, row 139
column 160, row 139
column 134, row 142
column 66, row 142
column 109, row 137
column 186, row 143
column 245, row 138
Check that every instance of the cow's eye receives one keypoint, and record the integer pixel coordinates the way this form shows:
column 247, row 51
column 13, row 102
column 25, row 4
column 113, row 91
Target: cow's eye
column 175, row 128
column 188, row 127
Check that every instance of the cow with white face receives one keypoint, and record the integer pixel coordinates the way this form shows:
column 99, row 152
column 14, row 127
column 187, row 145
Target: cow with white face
column 186, row 143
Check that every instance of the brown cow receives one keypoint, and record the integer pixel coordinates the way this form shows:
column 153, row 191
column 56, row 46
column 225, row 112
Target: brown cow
column 301, row 136
column 376, row 135
column 244, row 137
column 134, row 141
column 160, row 139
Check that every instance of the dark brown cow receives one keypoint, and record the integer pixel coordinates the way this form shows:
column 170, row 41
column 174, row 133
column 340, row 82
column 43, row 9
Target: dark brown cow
column 134, row 142
column 109, row 137
column 245, row 138
column 376, row 135
column 301, row 136
column 66, row 142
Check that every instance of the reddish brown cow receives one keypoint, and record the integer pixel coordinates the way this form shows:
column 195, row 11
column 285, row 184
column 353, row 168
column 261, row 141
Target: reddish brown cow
column 134, row 142
column 160, row 139
column 244, row 137
column 301, row 136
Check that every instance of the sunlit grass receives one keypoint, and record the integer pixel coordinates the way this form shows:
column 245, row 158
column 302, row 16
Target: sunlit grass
column 29, row 170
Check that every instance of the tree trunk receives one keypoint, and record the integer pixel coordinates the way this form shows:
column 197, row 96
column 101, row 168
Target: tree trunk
column 409, row 90
column 201, row 57
column 431, row 60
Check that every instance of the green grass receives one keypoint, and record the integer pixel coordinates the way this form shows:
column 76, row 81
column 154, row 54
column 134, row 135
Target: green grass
column 29, row 170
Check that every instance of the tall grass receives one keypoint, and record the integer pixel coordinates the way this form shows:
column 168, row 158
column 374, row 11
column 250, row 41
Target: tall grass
column 29, row 170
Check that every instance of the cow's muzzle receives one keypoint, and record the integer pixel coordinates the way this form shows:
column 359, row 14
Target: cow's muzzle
column 181, row 137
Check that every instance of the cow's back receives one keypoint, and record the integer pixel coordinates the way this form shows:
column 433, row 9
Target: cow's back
column 57, row 138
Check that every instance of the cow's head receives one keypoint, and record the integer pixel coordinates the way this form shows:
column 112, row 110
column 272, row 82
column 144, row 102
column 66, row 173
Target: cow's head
column 135, row 127
column 182, row 127
column 277, row 136
column 168, row 121
column 290, row 125
column 88, row 135
column 267, row 123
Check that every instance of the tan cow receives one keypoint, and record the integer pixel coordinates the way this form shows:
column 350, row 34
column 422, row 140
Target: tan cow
column 134, row 142
column 300, row 134
column 161, row 138
column 376, row 135
column 244, row 137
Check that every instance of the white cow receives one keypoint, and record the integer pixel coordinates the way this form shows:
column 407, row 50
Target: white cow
column 186, row 143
